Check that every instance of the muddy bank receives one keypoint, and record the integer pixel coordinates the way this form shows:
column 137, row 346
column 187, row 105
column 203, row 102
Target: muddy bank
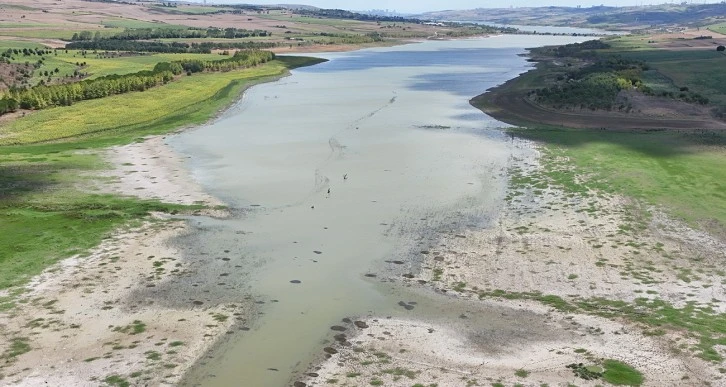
column 594, row 250
column 82, row 324
column 96, row 317
column 152, row 170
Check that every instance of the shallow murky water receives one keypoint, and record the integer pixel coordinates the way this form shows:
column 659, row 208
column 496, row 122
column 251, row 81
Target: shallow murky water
column 335, row 170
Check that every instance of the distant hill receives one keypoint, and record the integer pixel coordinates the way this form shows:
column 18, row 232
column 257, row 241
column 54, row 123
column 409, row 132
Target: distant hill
column 600, row 16
column 298, row 6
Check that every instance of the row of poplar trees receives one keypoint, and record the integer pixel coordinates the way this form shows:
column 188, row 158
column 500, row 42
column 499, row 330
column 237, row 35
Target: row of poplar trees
column 43, row 96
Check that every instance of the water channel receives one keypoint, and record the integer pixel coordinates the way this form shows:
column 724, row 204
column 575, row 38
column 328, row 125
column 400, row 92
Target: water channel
column 330, row 173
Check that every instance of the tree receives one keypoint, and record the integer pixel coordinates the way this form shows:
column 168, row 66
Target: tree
column 720, row 48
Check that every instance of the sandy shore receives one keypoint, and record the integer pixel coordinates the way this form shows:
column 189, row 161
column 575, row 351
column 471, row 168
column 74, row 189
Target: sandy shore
column 152, row 170
column 402, row 352
column 577, row 247
column 83, row 320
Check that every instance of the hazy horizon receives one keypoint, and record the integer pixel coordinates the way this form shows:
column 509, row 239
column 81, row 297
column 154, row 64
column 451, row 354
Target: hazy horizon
column 431, row 5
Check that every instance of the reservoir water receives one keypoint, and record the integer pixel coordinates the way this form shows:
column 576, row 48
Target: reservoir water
column 330, row 173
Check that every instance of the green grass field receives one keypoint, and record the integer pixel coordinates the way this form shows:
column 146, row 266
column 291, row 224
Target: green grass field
column 97, row 66
column 191, row 10
column 133, row 23
column 699, row 70
column 660, row 56
column 314, row 20
column 45, row 33
column 719, row 28
column 629, row 42
column 682, row 173
column 44, row 218
column 704, row 76
column 5, row 44
column 17, row 6
column 29, row 25
column 190, row 100
column 621, row 374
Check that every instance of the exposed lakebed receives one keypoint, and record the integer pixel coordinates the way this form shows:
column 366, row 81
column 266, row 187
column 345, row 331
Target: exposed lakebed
column 337, row 177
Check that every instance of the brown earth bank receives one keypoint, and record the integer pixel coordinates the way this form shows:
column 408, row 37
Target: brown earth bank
column 509, row 103
column 592, row 248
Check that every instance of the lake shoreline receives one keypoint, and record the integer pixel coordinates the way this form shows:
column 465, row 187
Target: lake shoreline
column 200, row 329
column 549, row 250
column 104, row 339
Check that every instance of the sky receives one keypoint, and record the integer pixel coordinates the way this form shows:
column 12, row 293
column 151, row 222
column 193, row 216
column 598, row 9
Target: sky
column 418, row 6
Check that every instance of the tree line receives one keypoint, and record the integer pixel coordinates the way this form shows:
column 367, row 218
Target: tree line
column 164, row 47
column 43, row 96
column 170, row 33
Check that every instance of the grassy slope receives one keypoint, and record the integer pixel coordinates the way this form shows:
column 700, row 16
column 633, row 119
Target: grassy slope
column 700, row 70
column 190, row 100
column 96, row 66
column 44, row 218
column 681, row 172
column 719, row 28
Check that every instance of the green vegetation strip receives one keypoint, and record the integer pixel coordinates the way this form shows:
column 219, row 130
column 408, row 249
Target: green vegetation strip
column 44, row 219
column 121, row 118
column 621, row 374
column 681, row 172
column 702, row 322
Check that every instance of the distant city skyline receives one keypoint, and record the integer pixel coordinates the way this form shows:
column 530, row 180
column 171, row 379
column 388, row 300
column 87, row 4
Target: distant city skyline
column 420, row 6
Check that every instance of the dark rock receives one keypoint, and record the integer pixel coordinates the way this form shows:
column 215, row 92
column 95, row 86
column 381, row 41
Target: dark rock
column 361, row 324
column 338, row 328
column 330, row 350
column 405, row 305
column 295, row 281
